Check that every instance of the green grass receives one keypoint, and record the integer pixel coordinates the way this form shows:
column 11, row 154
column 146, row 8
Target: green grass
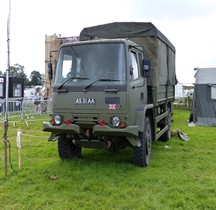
column 181, row 177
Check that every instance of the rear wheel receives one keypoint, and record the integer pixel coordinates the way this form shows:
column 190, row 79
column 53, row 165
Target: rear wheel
column 67, row 149
column 142, row 154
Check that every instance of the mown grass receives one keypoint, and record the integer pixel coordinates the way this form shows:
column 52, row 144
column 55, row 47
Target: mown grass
column 180, row 177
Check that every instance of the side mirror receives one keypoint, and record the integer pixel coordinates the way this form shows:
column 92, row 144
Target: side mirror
column 146, row 67
column 50, row 71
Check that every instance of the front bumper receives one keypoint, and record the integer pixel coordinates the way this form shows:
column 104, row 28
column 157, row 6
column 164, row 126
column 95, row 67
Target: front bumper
column 97, row 130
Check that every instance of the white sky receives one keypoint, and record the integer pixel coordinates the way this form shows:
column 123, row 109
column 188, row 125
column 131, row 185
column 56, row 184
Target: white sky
column 189, row 24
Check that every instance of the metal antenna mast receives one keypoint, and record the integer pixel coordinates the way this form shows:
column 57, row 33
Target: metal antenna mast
column 7, row 88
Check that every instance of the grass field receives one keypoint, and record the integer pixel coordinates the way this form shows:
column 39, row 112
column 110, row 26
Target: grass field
column 180, row 176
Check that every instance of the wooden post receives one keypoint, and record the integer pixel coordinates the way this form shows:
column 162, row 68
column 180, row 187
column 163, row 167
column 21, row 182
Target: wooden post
column 18, row 141
column 5, row 146
column 19, row 155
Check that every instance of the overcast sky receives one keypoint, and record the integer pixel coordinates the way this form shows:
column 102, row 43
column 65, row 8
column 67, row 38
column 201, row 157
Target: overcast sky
column 188, row 24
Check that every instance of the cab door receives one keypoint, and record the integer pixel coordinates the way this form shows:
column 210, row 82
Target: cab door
column 137, row 82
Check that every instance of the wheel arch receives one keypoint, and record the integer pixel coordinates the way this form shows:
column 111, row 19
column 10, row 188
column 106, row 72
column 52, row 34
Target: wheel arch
column 143, row 111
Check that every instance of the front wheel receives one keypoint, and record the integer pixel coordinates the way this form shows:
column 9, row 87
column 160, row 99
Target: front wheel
column 142, row 154
column 67, row 149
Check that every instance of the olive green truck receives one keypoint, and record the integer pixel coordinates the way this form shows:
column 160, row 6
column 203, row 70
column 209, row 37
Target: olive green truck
column 112, row 89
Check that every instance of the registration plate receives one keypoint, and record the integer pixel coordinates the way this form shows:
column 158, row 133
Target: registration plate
column 85, row 101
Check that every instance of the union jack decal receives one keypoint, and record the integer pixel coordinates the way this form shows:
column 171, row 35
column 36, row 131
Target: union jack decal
column 112, row 106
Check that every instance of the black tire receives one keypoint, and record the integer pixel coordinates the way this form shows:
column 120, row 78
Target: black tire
column 142, row 154
column 67, row 149
column 167, row 135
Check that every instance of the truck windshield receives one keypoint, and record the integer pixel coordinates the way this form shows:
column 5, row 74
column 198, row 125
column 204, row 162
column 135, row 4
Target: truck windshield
column 85, row 64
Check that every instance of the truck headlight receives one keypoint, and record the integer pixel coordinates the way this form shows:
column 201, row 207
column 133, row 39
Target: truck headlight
column 115, row 121
column 57, row 119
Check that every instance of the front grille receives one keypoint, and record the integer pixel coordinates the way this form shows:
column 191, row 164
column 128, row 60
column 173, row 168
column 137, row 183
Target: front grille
column 81, row 119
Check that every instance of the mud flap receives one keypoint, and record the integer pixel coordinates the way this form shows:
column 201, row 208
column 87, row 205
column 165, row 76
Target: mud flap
column 53, row 137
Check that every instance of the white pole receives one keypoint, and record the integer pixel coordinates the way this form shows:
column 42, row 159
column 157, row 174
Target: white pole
column 18, row 141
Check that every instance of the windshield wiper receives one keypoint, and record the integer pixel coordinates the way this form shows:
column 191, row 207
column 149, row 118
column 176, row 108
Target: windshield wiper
column 70, row 78
column 99, row 80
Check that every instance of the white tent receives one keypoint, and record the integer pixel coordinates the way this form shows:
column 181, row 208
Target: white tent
column 204, row 97
column 179, row 93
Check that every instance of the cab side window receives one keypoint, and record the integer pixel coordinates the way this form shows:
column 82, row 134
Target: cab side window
column 140, row 64
column 134, row 64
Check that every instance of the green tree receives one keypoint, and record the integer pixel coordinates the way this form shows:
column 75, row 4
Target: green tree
column 36, row 78
column 43, row 78
column 18, row 71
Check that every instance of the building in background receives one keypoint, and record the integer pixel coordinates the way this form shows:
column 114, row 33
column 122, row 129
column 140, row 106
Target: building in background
column 16, row 88
column 52, row 45
column 15, row 94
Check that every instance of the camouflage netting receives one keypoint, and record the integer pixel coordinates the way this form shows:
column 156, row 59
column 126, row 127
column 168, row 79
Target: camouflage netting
column 157, row 47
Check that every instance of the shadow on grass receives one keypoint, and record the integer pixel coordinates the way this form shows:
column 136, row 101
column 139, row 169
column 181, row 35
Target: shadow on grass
column 104, row 157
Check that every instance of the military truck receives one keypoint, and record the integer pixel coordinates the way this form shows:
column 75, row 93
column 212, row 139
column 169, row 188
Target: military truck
column 112, row 89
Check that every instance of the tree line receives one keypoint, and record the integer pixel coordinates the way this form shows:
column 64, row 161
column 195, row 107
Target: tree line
column 18, row 71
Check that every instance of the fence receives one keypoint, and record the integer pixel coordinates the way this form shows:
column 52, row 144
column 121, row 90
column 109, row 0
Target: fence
column 184, row 103
column 24, row 108
column 14, row 108
column 29, row 108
